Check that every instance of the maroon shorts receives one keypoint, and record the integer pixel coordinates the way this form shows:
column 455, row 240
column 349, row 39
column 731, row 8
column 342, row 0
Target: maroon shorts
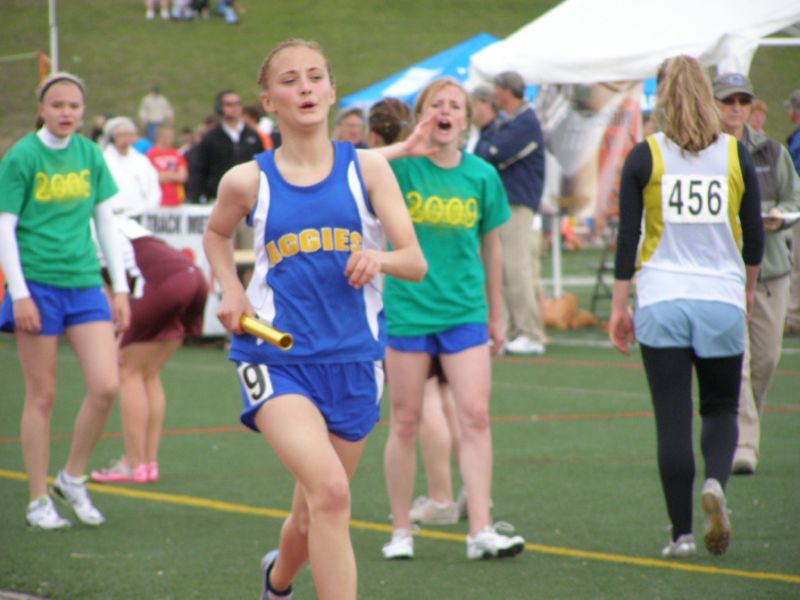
column 174, row 297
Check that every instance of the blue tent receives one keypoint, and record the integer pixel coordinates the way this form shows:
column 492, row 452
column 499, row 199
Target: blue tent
column 453, row 62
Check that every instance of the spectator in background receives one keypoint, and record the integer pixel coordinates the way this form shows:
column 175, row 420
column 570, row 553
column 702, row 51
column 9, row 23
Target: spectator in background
column 54, row 289
column 758, row 116
column 698, row 266
column 389, row 121
column 792, row 105
column 349, row 127
column 136, row 178
column 227, row 10
column 793, row 143
column 171, row 166
column 97, row 128
column 515, row 146
column 779, row 193
column 182, row 10
column 199, row 9
column 252, row 113
column 167, row 304
column 484, row 114
column 151, row 6
column 451, row 315
column 230, row 142
column 154, row 111
column 187, row 139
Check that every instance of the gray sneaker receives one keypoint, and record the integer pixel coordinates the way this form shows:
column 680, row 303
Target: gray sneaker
column 42, row 514
column 76, row 497
column 430, row 512
column 266, row 566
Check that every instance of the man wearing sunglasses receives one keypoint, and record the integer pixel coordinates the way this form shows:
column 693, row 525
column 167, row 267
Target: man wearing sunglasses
column 780, row 194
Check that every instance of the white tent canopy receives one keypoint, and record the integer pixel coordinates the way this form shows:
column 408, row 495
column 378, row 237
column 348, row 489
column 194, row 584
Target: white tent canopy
column 587, row 41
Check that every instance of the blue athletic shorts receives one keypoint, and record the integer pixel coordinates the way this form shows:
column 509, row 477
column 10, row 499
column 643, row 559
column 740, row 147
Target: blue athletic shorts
column 59, row 308
column 348, row 395
column 449, row 341
column 711, row 329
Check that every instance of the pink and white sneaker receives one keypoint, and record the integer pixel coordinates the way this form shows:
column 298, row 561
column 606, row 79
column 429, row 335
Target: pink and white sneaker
column 121, row 472
column 152, row 471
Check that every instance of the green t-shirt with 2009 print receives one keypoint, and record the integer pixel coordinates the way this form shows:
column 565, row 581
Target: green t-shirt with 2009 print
column 451, row 209
column 54, row 193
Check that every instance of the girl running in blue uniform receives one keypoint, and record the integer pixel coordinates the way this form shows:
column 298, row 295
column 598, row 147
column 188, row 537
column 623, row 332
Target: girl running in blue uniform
column 319, row 211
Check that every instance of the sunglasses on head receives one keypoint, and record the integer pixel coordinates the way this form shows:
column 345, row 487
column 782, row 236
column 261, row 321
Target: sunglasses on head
column 742, row 100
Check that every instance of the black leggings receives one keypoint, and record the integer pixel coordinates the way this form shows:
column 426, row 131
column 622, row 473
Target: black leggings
column 669, row 374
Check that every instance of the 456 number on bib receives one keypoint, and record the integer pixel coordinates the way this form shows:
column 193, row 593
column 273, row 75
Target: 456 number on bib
column 694, row 199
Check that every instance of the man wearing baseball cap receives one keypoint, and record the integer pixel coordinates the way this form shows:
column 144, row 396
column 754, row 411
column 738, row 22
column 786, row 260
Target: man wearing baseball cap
column 514, row 144
column 780, row 193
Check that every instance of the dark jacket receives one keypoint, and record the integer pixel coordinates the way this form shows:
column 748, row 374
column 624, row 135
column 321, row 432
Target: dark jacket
column 214, row 155
column 515, row 146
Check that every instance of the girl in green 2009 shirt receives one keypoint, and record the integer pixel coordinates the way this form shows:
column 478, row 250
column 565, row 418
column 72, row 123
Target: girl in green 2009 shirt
column 52, row 183
column 457, row 202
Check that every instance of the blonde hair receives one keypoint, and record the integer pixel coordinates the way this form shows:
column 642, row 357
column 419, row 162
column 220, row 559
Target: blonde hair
column 759, row 105
column 60, row 77
column 390, row 119
column 434, row 87
column 263, row 73
column 685, row 108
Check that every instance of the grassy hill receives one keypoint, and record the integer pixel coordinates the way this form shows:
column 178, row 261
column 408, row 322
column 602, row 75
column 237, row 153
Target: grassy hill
column 120, row 54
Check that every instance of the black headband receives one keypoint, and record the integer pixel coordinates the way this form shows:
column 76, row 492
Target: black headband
column 59, row 79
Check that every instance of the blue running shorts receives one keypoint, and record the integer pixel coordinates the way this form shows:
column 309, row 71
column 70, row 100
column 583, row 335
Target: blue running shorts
column 711, row 329
column 348, row 395
column 60, row 308
column 449, row 341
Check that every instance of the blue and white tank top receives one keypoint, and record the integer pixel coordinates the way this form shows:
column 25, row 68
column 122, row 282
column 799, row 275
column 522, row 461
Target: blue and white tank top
column 303, row 238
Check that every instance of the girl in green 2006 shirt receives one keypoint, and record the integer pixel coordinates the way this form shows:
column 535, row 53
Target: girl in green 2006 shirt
column 52, row 183
column 457, row 202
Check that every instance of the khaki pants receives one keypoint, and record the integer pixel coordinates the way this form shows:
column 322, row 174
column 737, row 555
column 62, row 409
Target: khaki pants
column 520, row 311
column 793, row 312
column 761, row 355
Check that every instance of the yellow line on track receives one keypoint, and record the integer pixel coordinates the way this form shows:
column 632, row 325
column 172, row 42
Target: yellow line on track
column 274, row 513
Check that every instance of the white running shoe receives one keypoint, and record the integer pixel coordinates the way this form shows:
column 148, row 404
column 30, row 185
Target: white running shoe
column 523, row 345
column 683, row 547
column 430, row 512
column 266, row 566
column 43, row 515
column 76, row 496
column 401, row 546
column 717, row 527
column 490, row 544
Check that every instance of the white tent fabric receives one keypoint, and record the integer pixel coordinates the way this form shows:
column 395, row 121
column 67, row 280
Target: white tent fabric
column 587, row 41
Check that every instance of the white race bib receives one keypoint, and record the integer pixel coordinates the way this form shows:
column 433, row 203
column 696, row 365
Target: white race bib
column 256, row 382
column 694, row 199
